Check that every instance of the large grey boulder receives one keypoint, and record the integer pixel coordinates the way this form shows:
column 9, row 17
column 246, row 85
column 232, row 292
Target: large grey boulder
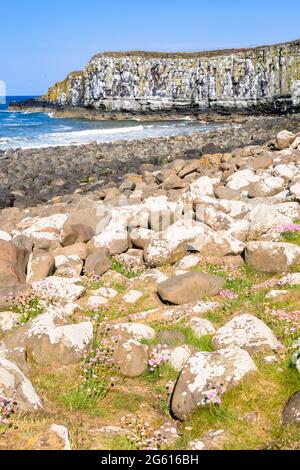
column 266, row 187
column 171, row 245
column 59, row 289
column 49, row 340
column 206, row 376
column 291, row 413
column 68, row 266
column 161, row 220
column 15, row 386
column 135, row 331
column 242, row 179
column 265, row 218
column 159, row 252
column 247, row 332
column 189, row 287
column 272, row 257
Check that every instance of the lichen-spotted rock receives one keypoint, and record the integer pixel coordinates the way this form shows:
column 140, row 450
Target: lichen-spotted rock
column 131, row 357
column 272, row 257
column 247, row 332
column 15, row 386
column 49, row 340
column 291, row 413
column 209, row 374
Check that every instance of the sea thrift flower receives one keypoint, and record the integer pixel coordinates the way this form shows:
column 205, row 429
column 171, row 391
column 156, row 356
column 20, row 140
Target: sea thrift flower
column 290, row 321
column 141, row 434
column 213, row 396
column 157, row 358
column 266, row 284
column 6, row 409
column 228, row 294
column 294, row 228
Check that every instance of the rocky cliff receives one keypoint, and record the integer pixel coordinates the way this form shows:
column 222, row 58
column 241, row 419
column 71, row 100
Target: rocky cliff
column 261, row 79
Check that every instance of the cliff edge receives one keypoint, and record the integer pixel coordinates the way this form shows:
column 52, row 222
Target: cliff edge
column 263, row 79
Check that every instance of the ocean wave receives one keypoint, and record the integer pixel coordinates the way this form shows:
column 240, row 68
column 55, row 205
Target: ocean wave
column 94, row 132
column 8, row 140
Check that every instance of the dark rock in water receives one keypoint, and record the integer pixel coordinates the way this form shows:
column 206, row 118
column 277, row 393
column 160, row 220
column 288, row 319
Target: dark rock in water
column 6, row 199
column 291, row 413
column 211, row 148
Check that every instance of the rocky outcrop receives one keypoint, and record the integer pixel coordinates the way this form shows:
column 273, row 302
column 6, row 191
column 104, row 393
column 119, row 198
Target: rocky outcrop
column 265, row 78
column 206, row 376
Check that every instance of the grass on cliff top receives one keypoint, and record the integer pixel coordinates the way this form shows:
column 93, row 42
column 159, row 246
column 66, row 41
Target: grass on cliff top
column 184, row 55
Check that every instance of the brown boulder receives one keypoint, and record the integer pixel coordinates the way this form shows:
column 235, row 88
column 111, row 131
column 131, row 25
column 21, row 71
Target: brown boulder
column 189, row 287
column 98, row 263
column 284, row 139
column 173, row 182
column 272, row 257
column 13, row 261
column 131, row 357
column 78, row 249
column 226, row 193
column 189, row 168
column 41, row 264
column 88, row 219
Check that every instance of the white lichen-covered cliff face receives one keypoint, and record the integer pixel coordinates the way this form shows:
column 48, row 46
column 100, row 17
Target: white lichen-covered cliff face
column 266, row 78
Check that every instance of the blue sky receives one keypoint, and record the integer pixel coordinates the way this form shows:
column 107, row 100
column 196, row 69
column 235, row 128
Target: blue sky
column 42, row 41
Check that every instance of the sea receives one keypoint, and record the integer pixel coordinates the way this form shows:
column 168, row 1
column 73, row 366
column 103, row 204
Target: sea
column 31, row 130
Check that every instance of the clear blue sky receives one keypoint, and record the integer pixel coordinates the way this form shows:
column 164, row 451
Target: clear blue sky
column 42, row 41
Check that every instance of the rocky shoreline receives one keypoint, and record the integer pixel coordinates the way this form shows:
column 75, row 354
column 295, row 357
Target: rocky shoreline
column 149, row 292
column 32, row 176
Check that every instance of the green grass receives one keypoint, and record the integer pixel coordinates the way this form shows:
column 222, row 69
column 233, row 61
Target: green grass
column 91, row 284
column 292, row 237
column 120, row 443
column 83, row 398
column 119, row 267
column 119, row 287
column 28, row 308
column 165, row 371
column 203, row 343
column 264, row 393
column 125, row 401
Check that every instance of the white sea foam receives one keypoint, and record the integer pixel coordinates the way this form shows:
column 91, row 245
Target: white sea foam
column 93, row 132
column 36, row 130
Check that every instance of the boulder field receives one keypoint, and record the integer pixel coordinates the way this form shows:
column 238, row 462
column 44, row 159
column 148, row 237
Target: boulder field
column 175, row 267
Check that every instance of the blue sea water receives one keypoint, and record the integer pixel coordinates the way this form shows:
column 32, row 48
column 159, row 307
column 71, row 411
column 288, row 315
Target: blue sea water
column 29, row 130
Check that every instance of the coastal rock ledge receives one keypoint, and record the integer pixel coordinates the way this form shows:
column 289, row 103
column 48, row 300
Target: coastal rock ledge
column 263, row 79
